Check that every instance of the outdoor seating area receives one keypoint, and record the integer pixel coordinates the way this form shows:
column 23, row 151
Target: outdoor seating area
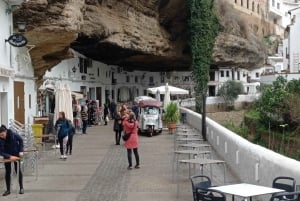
column 193, row 155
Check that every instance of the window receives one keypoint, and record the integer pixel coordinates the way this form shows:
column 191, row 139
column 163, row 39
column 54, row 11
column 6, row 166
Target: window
column 258, row 8
column 212, row 76
column 83, row 65
column 127, row 79
column 151, row 79
column 253, row 6
column 273, row 3
column 98, row 72
column 238, row 75
column 235, row 1
column 222, row 73
column 247, row 4
column 278, row 5
column 242, row 2
column 29, row 101
column 227, row 73
column 257, row 75
column 136, row 79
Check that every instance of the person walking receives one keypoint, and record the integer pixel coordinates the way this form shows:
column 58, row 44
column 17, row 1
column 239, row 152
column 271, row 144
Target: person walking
column 131, row 126
column 118, row 127
column 113, row 109
column 106, row 112
column 84, row 118
column 11, row 147
column 70, row 138
column 63, row 127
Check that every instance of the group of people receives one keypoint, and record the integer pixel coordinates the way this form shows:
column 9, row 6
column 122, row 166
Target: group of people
column 12, row 147
column 125, row 121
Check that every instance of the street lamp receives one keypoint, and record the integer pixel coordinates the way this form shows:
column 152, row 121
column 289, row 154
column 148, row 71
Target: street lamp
column 282, row 143
column 21, row 26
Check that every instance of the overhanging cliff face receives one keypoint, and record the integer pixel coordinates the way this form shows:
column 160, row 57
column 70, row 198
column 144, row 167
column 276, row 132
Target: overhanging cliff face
column 136, row 34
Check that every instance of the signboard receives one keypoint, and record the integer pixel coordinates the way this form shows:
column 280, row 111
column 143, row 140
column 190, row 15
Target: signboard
column 17, row 40
column 6, row 72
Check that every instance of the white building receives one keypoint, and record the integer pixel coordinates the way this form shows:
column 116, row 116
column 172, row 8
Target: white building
column 279, row 13
column 99, row 81
column 17, row 85
column 217, row 77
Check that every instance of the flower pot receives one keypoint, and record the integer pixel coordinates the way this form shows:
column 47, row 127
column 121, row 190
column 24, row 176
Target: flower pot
column 172, row 127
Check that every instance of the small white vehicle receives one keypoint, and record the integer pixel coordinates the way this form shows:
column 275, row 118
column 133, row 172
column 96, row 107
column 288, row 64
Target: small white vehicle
column 150, row 117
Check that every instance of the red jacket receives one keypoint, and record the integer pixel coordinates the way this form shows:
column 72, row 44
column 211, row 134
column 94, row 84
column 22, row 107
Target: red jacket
column 133, row 141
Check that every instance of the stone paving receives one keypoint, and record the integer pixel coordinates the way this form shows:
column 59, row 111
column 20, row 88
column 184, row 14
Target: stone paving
column 97, row 171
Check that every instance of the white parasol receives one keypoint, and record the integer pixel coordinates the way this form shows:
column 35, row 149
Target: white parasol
column 63, row 101
column 172, row 90
column 167, row 99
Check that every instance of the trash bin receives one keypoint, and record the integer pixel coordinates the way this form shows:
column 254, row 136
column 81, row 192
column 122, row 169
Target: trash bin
column 37, row 131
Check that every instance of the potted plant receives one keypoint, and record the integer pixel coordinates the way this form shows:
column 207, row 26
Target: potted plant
column 172, row 116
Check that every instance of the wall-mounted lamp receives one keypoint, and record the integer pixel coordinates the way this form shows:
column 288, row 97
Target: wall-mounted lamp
column 74, row 69
column 21, row 26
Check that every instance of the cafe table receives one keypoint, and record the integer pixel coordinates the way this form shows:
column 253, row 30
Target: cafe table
column 201, row 162
column 245, row 190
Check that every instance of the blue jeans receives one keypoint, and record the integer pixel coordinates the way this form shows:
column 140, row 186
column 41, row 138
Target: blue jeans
column 84, row 126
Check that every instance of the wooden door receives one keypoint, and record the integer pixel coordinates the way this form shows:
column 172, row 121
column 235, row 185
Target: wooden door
column 19, row 95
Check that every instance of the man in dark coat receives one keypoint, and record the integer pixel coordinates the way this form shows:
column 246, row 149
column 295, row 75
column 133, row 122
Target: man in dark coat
column 11, row 147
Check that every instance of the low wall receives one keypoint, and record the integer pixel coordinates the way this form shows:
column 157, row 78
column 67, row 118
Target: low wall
column 250, row 162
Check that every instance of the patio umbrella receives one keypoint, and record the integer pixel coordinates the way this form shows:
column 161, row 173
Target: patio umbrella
column 158, row 95
column 172, row 90
column 167, row 96
column 63, row 101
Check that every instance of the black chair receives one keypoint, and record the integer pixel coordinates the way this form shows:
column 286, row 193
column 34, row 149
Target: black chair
column 200, row 182
column 285, row 183
column 286, row 196
column 209, row 195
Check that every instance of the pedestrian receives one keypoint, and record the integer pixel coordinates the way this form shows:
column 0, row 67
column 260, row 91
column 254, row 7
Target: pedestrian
column 70, row 138
column 62, row 127
column 106, row 112
column 135, row 109
column 113, row 109
column 131, row 127
column 11, row 148
column 123, row 110
column 118, row 127
column 84, row 118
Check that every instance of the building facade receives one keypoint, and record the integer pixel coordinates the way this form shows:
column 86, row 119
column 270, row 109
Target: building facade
column 17, row 84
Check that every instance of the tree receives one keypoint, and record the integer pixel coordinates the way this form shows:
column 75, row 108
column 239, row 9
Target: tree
column 204, row 28
column 230, row 91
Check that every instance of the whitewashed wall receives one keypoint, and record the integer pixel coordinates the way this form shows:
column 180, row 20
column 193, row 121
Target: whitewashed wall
column 251, row 163
column 24, row 72
column 6, row 82
column 295, row 43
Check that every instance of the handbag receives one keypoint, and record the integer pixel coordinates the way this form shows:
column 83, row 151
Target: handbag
column 126, row 136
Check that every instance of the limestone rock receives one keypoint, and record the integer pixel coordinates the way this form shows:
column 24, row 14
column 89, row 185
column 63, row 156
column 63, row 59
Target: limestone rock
column 135, row 34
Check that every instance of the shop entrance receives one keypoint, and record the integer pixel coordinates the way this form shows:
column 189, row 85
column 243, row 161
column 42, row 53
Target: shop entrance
column 19, row 102
column 99, row 95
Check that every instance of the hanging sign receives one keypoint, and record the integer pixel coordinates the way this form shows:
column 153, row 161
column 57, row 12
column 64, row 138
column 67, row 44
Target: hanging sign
column 17, row 40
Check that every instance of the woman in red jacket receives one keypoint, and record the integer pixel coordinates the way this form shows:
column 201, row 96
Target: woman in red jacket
column 130, row 125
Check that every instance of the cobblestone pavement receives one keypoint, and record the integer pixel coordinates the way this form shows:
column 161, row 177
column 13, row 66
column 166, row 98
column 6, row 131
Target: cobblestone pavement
column 97, row 171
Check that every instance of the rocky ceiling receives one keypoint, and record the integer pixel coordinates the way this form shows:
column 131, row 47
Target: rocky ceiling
column 136, row 34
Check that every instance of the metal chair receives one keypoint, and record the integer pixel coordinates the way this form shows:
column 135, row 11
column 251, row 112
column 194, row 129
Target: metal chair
column 286, row 196
column 209, row 195
column 285, row 183
column 199, row 182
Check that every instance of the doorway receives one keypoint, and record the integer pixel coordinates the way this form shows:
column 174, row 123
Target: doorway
column 99, row 95
column 19, row 104
column 212, row 90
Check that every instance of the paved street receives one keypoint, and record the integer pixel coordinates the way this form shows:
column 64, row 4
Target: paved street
column 97, row 170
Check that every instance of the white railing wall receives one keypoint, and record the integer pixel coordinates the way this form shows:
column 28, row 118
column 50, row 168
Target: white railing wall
column 250, row 162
